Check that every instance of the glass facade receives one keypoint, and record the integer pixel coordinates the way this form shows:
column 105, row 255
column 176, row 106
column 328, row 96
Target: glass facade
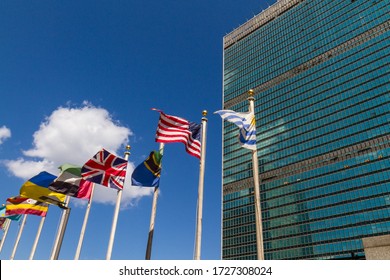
column 320, row 70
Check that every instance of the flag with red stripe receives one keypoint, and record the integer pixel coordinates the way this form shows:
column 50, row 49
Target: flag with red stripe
column 105, row 169
column 173, row 129
column 18, row 205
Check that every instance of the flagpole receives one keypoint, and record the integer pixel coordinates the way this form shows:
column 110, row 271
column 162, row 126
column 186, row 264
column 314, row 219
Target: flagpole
column 116, row 213
column 6, row 227
column 18, row 237
column 198, row 236
column 255, row 164
column 61, row 230
column 153, row 215
column 84, row 226
column 37, row 238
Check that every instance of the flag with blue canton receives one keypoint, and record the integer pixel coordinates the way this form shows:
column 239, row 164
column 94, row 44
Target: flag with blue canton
column 171, row 129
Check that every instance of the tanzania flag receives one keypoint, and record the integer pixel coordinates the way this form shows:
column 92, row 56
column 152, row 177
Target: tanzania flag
column 70, row 182
column 22, row 205
column 147, row 174
column 105, row 169
column 38, row 188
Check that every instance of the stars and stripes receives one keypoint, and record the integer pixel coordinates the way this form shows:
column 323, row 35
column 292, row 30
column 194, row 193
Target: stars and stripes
column 105, row 169
column 173, row 129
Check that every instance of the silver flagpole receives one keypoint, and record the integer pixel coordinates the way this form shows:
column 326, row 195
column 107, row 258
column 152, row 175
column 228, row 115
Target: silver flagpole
column 84, row 226
column 153, row 215
column 61, row 230
column 116, row 213
column 18, row 237
column 37, row 238
column 6, row 227
column 255, row 163
column 198, row 236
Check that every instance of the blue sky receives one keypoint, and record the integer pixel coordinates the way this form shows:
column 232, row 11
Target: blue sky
column 76, row 76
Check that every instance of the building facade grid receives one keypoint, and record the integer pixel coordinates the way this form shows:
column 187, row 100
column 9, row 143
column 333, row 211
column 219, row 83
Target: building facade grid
column 320, row 71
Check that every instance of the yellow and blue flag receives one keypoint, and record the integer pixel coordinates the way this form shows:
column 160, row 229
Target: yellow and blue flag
column 147, row 174
column 38, row 188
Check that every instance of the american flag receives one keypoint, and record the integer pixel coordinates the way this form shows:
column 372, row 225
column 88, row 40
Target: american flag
column 172, row 129
column 105, row 169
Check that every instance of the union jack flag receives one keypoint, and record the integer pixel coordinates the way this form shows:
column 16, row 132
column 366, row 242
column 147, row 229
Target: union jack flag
column 105, row 169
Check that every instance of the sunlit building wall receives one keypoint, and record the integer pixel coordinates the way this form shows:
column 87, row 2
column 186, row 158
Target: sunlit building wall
column 320, row 70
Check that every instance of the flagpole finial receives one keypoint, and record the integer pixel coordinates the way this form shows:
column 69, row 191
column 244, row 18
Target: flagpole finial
column 204, row 114
column 127, row 152
column 251, row 93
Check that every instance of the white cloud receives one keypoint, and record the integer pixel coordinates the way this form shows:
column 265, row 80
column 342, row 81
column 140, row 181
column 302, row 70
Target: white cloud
column 69, row 135
column 25, row 169
column 4, row 133
column 74, row 135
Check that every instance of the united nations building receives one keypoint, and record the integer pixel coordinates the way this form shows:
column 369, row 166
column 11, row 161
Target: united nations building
column 320, row 73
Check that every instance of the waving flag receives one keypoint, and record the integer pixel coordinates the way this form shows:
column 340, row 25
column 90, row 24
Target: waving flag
column 3, row 215
column 147, row 174
column 22, row 205
column 105, row 169
column 38, row 188
column 2, row 223
column 172, row 129
column 69, row 182
column 247, row 124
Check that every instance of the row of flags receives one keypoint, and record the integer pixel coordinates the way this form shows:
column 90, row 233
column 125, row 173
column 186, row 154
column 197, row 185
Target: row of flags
column 109, row 170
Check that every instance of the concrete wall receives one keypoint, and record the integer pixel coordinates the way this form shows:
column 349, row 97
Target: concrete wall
column 377, row 247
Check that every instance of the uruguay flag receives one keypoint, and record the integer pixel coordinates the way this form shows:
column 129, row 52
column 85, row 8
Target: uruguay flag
column 247, row 124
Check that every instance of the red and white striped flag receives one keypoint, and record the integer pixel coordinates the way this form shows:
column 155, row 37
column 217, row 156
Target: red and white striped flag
column 173, row 129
